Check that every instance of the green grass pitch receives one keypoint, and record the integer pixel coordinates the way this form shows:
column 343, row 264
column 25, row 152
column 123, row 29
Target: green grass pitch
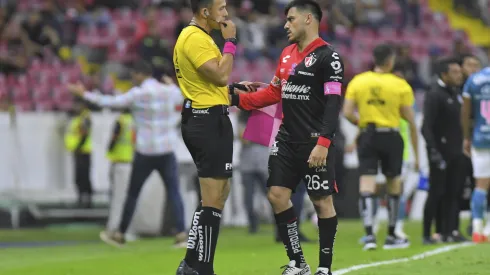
column 238, row 254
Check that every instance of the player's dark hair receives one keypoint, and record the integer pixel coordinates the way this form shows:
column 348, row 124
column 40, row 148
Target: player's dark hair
column 197, row 5
column 142, row 67
column 382, row 53
column 304, row 5
column 444, row 64
column 468, row 55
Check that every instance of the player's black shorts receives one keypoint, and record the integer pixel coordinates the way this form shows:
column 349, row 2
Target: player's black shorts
column 288, row 165
column 208, row 135
column 380, row 147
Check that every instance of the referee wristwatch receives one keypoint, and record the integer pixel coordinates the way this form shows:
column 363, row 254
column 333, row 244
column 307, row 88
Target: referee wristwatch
column 232, row 40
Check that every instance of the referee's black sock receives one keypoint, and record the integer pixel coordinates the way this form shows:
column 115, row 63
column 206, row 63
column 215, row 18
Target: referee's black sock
column 393, row 205
column 287, row 224
column 193, row 241
column 366, row 209
column 327, row 230
column 208, row 236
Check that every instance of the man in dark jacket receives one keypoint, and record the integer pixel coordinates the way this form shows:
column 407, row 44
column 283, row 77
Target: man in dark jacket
column 442, row 132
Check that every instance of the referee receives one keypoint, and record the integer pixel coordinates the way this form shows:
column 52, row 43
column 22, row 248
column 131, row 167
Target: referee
column 203, row 72
column 442, row 133
column 381, row 99
column 152, row 104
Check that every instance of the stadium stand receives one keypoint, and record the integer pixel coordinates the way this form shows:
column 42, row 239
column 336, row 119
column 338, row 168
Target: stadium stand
column 116, row 33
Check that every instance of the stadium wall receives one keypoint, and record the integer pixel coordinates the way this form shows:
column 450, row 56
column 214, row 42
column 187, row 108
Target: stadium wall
column 35, row 166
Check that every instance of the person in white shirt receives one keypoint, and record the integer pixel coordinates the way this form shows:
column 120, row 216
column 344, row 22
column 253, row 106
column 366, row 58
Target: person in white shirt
column 153, row 106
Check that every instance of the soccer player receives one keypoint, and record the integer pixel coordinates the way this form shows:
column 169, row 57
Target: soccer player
column 476, row 103
column 381, row 99
column 203, row 72
column 470, row 64
column 308, row 79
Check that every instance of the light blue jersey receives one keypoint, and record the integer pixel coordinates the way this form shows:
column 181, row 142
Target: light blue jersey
column 477, row 88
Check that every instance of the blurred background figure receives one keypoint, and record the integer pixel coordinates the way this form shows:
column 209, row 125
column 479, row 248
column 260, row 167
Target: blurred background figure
column 120, row 153
column 254, row 160
column 78, row 141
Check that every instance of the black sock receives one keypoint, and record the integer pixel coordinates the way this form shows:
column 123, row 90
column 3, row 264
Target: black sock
column 287, row 224
column 366, row 209
column 193, row 241
column 327, row 231
column 393, row 205
column 208, row 231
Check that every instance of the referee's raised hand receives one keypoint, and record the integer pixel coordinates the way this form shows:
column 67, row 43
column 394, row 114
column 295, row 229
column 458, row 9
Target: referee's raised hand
column 228, row 29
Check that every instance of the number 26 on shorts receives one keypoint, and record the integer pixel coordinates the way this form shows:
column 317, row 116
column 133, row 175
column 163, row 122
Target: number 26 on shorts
column 313, row 183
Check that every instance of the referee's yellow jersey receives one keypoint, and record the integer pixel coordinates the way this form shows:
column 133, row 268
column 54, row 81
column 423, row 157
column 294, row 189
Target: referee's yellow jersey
column 193, row 48
column 379, row 97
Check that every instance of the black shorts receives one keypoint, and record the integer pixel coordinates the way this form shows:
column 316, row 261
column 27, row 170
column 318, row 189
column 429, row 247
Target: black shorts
column 385, row 148
column 288, row 165
column 209, row 139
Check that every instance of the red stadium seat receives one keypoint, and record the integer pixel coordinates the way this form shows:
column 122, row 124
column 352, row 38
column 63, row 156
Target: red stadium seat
column 20, row 93
column 44, row 106
column 41, row 93
column 24, row 106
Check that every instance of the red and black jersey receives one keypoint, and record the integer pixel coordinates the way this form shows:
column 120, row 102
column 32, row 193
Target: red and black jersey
column 309, row 84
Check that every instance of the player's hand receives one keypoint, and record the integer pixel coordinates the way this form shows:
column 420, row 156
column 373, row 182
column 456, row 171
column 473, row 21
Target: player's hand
column 250, row 86
column 167, row 80
column 76, row 89
column 467, row 147
column 229, row 31
column 318, row 157
column 416, row 166
column 350, row 148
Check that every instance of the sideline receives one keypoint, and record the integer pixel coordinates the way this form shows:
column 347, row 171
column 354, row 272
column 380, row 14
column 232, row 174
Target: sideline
column 420, row 256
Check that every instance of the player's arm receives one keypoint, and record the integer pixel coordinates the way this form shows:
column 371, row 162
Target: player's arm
column 466, row 122
column 115, row 101
column 262, row 98
column 349, row 106
column 466, row 110
column 333, row 75
column 202, row 54
column 407, row 113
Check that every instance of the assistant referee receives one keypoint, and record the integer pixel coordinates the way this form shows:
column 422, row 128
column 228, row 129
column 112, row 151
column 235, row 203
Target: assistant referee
column 381, row 99
column 203, row 72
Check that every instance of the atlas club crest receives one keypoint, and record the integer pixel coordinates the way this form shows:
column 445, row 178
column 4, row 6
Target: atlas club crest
column 310, row 60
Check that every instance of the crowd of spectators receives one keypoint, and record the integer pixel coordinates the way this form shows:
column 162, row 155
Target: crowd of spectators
column 112, row 34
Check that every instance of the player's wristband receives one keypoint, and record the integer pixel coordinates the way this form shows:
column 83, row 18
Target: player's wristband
column 235, row 100
column 323, row 141
column 229, row 48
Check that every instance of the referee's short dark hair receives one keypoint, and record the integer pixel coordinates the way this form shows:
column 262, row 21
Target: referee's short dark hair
column 309, row 5
column 196, row 5
column 142, row 67
column 381, row 53
column 444, row 64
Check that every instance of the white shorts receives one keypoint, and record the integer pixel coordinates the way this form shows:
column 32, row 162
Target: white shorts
column 480, row 158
